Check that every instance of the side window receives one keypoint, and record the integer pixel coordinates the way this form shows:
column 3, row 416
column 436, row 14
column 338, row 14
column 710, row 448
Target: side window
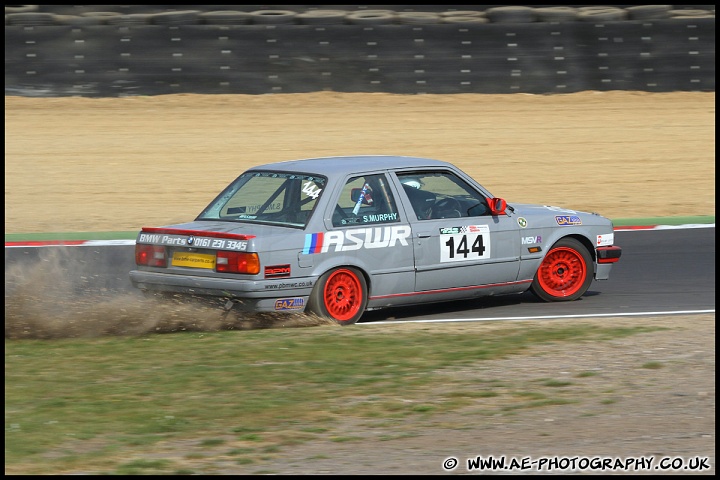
column 365, row 200
column 435, row 195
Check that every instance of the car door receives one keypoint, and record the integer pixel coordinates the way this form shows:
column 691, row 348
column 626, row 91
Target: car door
column 457, row 242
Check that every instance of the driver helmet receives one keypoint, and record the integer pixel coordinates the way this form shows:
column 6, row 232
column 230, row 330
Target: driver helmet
column 413, row 182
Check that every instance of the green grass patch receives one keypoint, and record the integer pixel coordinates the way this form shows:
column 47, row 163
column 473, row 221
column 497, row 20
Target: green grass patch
column 79, row 405
column 652, row 365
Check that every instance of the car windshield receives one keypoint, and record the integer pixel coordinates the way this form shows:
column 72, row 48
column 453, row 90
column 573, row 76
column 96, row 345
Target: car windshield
column 276, row 198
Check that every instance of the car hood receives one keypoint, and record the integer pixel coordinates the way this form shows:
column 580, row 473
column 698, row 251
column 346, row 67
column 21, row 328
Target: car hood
column 550, row 212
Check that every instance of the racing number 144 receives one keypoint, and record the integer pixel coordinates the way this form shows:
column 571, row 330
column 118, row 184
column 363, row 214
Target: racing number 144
column 464, row 246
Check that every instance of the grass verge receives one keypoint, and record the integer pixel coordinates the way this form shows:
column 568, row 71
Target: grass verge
column 112, row 405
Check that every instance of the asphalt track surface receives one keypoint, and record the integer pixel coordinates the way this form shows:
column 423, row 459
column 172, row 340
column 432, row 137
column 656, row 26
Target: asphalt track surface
column 661, row 272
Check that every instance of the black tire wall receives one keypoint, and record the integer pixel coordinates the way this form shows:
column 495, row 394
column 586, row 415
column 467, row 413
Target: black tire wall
column 111, row 53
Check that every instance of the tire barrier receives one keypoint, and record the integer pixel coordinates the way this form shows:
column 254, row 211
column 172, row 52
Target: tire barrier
column 21, row 8
column 322, row 17
column 31, row 18
column 123, row 52
column 225, row 17
column 183, row 17
column 557, row 14
column 374, row 17
column 602, row 14
column 273, row 17
column 31, row 15
column 517, row 14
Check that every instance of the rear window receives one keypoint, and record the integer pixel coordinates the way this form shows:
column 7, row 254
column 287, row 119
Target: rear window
column 277, row 198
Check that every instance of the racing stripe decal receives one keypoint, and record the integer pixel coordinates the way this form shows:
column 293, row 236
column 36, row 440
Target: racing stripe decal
column 313, row 243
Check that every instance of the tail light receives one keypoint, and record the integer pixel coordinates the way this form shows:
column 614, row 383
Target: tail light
column 237, row 262
column 150, row 255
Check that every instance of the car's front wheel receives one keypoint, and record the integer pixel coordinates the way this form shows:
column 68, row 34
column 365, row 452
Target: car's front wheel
column 565, row 274
column 340, row 294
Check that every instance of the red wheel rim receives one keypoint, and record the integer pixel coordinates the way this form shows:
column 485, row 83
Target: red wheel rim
column 343, row 295
column 563, row 272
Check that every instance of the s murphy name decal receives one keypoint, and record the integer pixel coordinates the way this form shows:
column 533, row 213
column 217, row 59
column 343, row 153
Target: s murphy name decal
column 192, row 241
column 357, row 238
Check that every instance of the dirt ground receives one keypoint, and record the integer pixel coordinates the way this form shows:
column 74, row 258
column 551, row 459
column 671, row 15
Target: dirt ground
column 75, row 164
column 117, row 164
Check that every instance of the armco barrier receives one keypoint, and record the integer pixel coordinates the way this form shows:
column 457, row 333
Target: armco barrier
column 656, row 55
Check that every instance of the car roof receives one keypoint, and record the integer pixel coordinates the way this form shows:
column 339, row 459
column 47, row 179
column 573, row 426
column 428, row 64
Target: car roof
column 345, row 164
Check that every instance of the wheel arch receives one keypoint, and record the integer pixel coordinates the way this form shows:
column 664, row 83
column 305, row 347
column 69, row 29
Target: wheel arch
column 325, row 267
column 585, row 242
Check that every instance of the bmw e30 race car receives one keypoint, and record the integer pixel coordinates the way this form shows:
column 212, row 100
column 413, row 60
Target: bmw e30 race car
column 338, row 236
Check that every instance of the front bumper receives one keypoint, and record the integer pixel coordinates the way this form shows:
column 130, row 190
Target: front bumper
column 606, row 257
column 609, row 254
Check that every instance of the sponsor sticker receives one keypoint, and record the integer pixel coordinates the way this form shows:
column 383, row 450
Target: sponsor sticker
column 522, row 222
column 564, row 220
column 193, row 241
column 559, row 209
column 356, row 238
column 275, row 271
column 531, row 240
column 605, row 239
column 293, row 303
column 193, row 260
column 468, row 242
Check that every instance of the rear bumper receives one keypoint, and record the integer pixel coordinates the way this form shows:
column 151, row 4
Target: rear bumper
column 222, row 287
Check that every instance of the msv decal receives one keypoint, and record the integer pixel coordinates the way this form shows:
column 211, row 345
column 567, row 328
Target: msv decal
column 373, row 237
column 568, row 220
column 531, row 240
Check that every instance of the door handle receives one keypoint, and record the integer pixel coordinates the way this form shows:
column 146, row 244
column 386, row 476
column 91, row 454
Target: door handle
column 423, row 235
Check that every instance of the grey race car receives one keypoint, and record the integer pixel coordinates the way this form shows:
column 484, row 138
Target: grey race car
column 338, row 236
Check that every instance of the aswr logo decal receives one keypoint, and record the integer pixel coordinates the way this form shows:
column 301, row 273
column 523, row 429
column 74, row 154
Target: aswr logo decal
column 373, row 237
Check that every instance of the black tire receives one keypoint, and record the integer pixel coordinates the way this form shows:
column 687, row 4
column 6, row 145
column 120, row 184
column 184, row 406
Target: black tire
column 272, row 17
column 648, row 12
column 609, row 14
column 225, row 17
column 370, row 18
column 32, row 19
column 511, row 14
column 176, row 17
column 465, row 20
column 341, row 294
column 322, row 17
column 463, row 13
column 565, row 273
column 557, row 14
column 418, row 18
column 129, row 19
column 21, row 8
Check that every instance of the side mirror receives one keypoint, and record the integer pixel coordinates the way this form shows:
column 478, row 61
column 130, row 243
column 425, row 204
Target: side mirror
column 497, row 206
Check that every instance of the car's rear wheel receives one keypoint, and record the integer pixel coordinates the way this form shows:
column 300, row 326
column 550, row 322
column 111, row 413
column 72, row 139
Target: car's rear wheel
column 340, row 294
column 565, row 274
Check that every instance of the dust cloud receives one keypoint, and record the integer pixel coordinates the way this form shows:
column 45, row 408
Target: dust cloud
column 56, row 297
